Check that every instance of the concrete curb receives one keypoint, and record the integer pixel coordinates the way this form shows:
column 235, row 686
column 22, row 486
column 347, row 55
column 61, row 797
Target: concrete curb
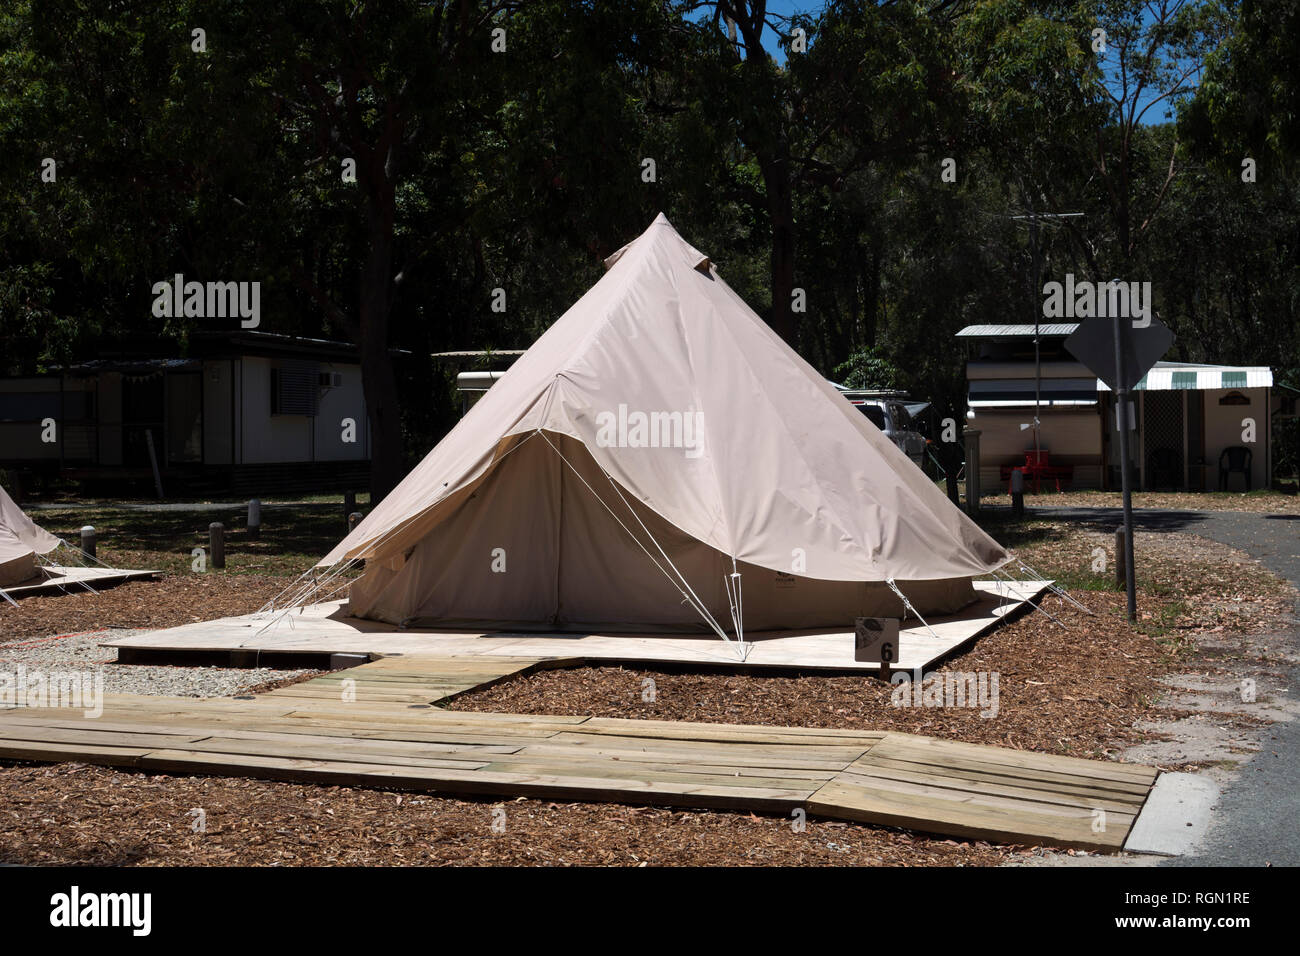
column 1175, row 817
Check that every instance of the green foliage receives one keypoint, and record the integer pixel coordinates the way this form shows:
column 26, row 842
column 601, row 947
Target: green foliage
column 867, row 368
column 815, row 171
column 1248, row 103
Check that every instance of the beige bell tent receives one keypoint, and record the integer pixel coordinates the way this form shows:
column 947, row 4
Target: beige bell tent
column 21, row 540
column 661, row 460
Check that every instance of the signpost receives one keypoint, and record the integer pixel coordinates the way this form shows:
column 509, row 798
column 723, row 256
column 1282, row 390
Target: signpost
column 875, row 640
column 1120, row 352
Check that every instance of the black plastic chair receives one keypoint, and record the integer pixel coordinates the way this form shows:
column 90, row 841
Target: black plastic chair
column 1235, row 459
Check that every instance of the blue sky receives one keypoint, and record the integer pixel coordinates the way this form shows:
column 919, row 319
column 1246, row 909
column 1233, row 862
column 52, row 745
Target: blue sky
column 788, row 7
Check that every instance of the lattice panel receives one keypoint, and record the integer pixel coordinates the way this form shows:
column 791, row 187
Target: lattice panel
column 1162, row 428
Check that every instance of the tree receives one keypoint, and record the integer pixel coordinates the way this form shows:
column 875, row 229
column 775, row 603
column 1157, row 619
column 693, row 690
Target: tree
column 373, row 87
column 866, row 90
column 1154, row 51
column 1248, row 102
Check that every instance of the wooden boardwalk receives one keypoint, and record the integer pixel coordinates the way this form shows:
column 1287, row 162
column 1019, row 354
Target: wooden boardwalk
column 75, row 580
column 410, row 681
column 326, row 629
column 381, row 731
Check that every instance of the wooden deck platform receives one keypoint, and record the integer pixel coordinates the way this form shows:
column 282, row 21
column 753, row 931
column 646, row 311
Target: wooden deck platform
column 325, row 628
column 374, row 725
column 74, row 580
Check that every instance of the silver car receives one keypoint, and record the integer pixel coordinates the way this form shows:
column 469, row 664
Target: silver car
column 891, row 416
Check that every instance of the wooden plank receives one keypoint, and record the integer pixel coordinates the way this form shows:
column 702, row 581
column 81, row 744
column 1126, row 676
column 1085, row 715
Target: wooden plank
column 418, row 744
column 1104, row 769
column 735, row 759
column 364, row 695
column 337, row 689
column 29, row 733
column 756, row 733
column 1034, row 801
column 871, row 793
column 682, row 749
column 70, row 579
column 846, row 801
column 43, row 751
column 1077, row 792
column 1013, row 768
column 494, row 783
column 488, row 735
column 279, row 746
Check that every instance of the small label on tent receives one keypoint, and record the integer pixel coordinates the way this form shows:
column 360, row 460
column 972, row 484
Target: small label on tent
column 875, row 640
column 784, row 580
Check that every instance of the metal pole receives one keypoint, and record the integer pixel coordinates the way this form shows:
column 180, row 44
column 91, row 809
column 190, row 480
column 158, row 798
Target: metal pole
column 1121, row 578
column 1121, row 421
column 1038, row 360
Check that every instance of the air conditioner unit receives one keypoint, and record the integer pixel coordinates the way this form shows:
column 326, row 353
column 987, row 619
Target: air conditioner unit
column 331, row 379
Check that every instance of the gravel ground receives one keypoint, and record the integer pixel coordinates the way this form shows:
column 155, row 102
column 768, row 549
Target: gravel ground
column 82, row 652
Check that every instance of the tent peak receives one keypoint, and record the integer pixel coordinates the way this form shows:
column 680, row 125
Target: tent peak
column 697, row 259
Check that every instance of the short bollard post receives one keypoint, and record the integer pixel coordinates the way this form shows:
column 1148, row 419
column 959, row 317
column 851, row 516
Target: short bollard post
column 349, row 502
column 88, row 541
column 354, row 519
column 1017, row 492
column 254, row 519
column 217, row 544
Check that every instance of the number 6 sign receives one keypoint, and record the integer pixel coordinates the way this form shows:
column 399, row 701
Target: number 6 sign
column 875, row 640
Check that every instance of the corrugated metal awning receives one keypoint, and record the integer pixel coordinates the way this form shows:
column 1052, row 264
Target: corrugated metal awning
column 1016, row 331
column 1174, row 376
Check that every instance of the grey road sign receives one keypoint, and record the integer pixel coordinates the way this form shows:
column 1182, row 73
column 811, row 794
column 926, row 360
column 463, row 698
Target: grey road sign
column 1093, row 344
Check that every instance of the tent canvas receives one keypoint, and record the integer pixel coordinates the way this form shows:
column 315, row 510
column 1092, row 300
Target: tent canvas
column 661, row 460
column 21, row 540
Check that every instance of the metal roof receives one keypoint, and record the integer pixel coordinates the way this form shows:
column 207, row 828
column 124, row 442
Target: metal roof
column 1016, row 331
column 1187, row 376
column 151, row 365
column 477, row 353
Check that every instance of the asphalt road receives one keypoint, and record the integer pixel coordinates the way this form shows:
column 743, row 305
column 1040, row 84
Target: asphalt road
column 1258, row 817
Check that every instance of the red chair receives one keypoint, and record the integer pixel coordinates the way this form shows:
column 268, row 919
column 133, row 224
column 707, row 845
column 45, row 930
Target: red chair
column 1037, row 468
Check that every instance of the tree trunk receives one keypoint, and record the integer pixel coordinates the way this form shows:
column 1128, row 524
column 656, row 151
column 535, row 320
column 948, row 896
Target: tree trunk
column 384, row 412
column 379, row 381
column 780, row 207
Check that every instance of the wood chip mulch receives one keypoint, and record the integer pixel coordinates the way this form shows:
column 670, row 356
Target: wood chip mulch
column 74, row 813
column 1077, row 691
column 169, row 601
